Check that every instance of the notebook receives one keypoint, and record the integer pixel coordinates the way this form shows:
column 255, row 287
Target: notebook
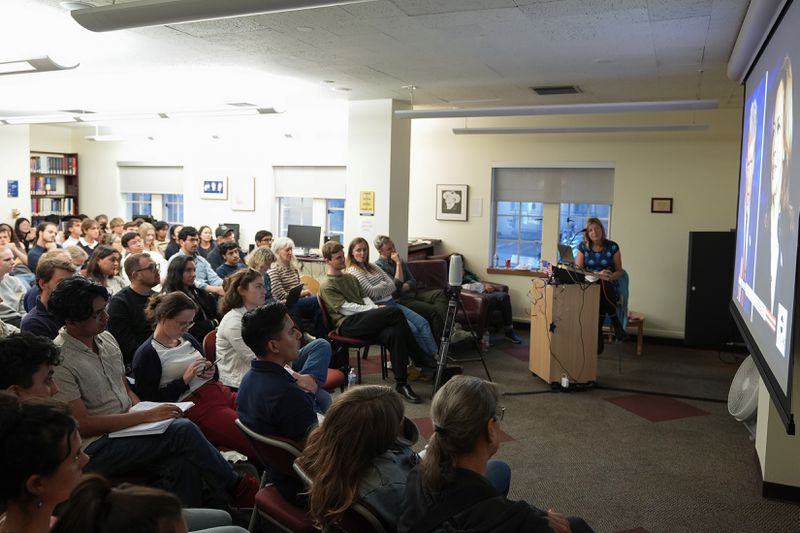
column 293, row 295
column 149, row 428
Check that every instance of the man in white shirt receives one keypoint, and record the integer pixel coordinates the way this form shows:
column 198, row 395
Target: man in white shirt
column 74, row 232
column 12, row 290
column 206, row 279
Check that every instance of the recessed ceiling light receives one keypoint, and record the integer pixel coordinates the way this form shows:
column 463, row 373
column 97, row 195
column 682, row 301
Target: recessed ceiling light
column 328, row 81
column 305, row 29
column 342, row 89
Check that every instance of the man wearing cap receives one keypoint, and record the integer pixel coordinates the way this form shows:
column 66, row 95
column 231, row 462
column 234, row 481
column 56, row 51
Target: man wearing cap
column 223, row 234
column 206, row 279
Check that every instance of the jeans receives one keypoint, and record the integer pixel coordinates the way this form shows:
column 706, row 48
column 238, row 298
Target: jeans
column 314, row 360
column 182, row 450
column 308, row 308
column 421, row 330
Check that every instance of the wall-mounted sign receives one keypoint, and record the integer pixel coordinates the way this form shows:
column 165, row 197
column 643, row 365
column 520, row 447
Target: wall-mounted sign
column 13, row 188
column 366, row 203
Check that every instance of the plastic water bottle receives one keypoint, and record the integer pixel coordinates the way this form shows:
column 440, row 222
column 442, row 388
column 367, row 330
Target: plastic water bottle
column 496, row 261
column 352, row 378
column 485, row 341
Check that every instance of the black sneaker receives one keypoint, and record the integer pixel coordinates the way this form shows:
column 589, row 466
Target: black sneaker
column 512, row 336
column 407, row 393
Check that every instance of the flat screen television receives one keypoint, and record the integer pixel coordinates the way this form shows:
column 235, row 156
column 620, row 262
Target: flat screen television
column 764, row 302
column 306, row 237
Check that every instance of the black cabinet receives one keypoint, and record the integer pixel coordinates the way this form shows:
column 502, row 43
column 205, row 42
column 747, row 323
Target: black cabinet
column 709, row 288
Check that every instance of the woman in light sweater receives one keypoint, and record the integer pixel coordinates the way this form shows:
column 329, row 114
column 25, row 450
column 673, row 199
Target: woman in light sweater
column 378, row 286
column 244, row 291
column 170, row 367
column 285, row 275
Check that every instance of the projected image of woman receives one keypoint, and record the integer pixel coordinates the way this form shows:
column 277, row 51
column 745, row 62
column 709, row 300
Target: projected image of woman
column 745, row 265
column 783, row 227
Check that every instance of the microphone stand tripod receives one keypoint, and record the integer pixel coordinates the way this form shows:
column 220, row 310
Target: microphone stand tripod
column 453, row 305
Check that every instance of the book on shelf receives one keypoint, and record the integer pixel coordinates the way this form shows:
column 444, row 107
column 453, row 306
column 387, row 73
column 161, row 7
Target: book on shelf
column 149, row 428
column 67, row 164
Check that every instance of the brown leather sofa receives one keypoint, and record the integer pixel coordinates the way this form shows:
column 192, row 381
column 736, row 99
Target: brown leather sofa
column 432, row 274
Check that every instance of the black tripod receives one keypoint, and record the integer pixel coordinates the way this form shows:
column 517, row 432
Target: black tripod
column 444, row 345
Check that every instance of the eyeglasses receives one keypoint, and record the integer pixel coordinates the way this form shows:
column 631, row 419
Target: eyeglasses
column 500, row 413
column 185, row 325
column 152, row 267
column 99, row 314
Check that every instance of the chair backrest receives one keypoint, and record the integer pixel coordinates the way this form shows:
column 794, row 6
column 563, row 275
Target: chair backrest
column 278, row 453
column 310, row 283
column 326, row 317
column 210, row 345
column 358, row 518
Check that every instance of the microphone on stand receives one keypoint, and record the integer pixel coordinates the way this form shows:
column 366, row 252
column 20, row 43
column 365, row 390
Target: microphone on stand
column 456, row 274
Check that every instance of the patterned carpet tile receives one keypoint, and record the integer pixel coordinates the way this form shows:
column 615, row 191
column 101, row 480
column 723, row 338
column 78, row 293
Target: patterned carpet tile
column 656, row 408
column 637, row 530
column 425, row 427
column 518, row 351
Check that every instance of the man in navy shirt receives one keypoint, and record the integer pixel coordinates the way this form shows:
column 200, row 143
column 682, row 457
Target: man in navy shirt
column 49, row 274
column 45, row 240
column 271, row 399
column 231, row 254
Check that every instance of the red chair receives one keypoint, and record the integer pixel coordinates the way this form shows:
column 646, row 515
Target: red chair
column 361, row 345
column 278, row 454
column 210, row 345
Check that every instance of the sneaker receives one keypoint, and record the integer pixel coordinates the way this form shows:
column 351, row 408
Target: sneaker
column 244, row 495
column 405, row 390
column 459, row 335
column 511, row 336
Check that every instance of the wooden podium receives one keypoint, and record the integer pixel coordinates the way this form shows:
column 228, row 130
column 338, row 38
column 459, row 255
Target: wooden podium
column 564, row 331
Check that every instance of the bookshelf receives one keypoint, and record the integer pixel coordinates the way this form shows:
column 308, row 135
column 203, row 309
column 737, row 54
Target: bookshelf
column 54, row 185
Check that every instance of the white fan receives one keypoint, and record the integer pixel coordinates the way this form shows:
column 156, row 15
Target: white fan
column 743, row 396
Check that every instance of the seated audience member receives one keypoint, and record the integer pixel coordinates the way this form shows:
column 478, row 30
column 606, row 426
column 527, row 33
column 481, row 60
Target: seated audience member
column 223, row 234
column 41, row 461
column 206, row 279
column 45, row 241
column 91, row 235
column 355, row 315
column 12, row 290
column 91, row 379
column 113, row 240
column 150, row 245
column 132, row 226
column 162, row 235
column 102, row 222
column 117, row 226
column 96, row 506
column 29, row 302
column 7, row 329
column 173, row 246
column 131, row 244
column 230, row 254
column 169, row 366
column 261, row 259
column 244, row 292
column 25, row 233
column 496, row 300
column 181, row 277
column 601, row 255
column 449, row 490
column 20, row 271
column 103, row 268
column 206, row 244
column 378, row 286
column 78, row 256
column 284, row 275
column 126, row 317
column 74, row 233
column 271, row 400
column 39, row 320
column 263, row 238
column 28, row 362
column 432, row 304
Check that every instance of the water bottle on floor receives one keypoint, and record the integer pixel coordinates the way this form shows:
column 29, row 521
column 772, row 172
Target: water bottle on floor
column 352, row 378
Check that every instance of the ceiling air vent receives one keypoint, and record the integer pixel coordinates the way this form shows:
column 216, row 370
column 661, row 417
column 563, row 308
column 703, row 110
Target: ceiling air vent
column 557, row 89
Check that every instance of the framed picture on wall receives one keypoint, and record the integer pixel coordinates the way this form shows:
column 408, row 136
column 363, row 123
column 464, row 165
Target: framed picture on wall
column 214, row 188
column 451, row 202
column 243, row 194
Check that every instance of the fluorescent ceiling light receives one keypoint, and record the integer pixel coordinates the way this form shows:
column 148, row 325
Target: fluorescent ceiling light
column 160, row 12
column 622, row 128
column 564, row 109
column 39, row 119
column 92, row 118
column 35, row 64
column 233, row 112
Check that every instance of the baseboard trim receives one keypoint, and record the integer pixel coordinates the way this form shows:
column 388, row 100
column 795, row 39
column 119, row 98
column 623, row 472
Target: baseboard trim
column 775, row 491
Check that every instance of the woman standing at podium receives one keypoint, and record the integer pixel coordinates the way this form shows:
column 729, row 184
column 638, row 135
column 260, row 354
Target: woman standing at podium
column 598, row 254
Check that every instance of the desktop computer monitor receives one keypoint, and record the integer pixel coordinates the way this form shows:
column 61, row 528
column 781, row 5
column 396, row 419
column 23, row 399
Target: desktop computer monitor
column 306, row 237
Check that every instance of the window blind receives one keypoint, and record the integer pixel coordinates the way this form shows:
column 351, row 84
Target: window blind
column 554, row 185
column 150, row 179
column 310, row 182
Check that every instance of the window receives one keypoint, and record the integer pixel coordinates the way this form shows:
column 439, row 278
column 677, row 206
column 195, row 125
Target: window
column 295, row 210
column 518, row 233
column 172, row 211
column 572, row 220
column 334, row 226
column 137, row 204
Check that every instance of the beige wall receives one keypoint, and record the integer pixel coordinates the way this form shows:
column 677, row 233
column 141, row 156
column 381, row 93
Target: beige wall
column 698, row 170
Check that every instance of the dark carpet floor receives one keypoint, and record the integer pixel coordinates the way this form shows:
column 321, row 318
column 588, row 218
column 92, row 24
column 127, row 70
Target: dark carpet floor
column 626, row 460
